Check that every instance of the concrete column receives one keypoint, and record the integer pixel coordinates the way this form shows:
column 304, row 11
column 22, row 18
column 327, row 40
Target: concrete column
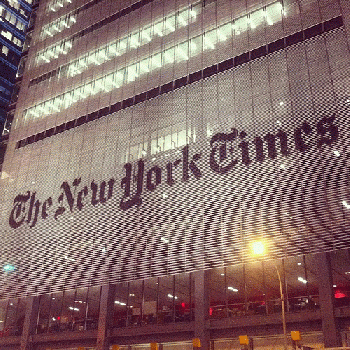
column 201, row 312
column 330, row 330
column 30, row 320
column 106, row 316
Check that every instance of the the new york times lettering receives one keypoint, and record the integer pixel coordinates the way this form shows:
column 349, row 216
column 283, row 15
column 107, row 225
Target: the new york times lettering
column 226, row 151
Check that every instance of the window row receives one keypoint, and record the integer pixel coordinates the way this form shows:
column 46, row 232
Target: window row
column 12, row 313
column 58, row 25
column 155, row 300
column 15, row 4
column 254, row 288
column 55, row 5
column 72, row 310
column 115, row 48
column 10, row 36
column 161, row 141
column 11, row 18
column 175, row 54
column 234, row 291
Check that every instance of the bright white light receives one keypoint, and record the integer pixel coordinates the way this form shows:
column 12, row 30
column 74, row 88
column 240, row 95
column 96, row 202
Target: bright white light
column 171, row 296
column 334, row 286
column 281, row 103
column 302, row 280
column 299, row 264
column 222, row 274
column 233, row 289
column 258, row 248
column 251, row 23
column 73, row 308
column 163, row 239
column 119, row 303
column 345, row 204
column 221, row 36
column 336, row 153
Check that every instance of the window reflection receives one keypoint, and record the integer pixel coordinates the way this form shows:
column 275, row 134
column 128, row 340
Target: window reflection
column 121, row 305
column 150, row 301
column 80, row 303
column 11, row 317
column 341, row 277
column 93, row 307
column 154, row 301
column 254, row 288
column 72, row 310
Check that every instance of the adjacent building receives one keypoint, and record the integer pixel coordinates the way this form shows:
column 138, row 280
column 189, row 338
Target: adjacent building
column 176, row 172
column 15, row 17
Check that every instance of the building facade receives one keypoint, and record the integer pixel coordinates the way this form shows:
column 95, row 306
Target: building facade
column 154, row 145
column 15, row 16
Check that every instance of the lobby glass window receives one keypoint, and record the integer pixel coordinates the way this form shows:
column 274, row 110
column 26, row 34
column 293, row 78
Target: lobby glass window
column 93, row 307
column 300, row 283
column 121, row 305
column 184, row 304
column 80, row 303
column 340, row 262
column 72, row 310
column 227, row 292
column 218, row 293
column 235, row 289
column 136, row 290
column 271, row 284
column 44, row 313
column 69, row 309
column 167, row 299
column 20, row 315
column 150, row 305
column 255, row 288
column 154, row 300
column 11, row 317
column 55, row 312
column 3, row 307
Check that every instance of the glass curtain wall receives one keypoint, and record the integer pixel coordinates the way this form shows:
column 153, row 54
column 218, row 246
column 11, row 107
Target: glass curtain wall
column 72, row 310
column 154, row 301
column 254, row 288
column 12, row 314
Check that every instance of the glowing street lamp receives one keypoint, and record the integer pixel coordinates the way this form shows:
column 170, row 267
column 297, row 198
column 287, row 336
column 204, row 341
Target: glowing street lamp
column 258, row 248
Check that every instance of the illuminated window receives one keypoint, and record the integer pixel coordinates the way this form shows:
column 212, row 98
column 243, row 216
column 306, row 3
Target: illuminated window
column 181, row 52
column 116, row 48
column 6, row 34
column 5, row 50
column 55, row 5
column 58, row 25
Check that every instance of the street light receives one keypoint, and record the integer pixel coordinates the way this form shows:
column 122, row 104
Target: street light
column 258, row 248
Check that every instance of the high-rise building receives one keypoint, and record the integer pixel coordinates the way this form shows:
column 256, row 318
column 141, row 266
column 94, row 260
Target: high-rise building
column 15, row 16
column 177, row 175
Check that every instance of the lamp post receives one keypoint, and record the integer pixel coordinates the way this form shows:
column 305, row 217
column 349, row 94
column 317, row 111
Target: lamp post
column 259, row 249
